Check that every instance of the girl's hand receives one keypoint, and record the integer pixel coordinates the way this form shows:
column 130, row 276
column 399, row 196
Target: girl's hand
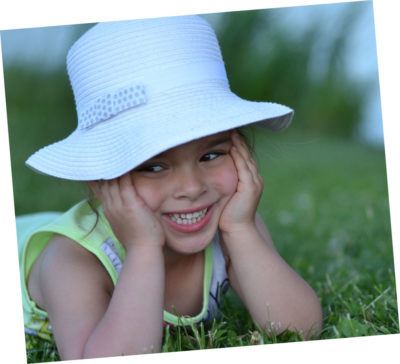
column 130, row 218
column 240, row 211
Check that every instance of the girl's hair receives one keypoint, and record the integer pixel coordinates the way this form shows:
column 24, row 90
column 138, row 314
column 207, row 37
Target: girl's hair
column 92, row 202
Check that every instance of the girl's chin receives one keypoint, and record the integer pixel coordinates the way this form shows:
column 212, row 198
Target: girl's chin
column 190, row 244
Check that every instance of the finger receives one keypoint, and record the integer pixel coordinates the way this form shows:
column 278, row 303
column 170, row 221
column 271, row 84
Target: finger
column 128, row 191
column 99, row 190
column 243, row 170
column 111, row 192
column 238, row 141
column 245, row 154
column 255, row 171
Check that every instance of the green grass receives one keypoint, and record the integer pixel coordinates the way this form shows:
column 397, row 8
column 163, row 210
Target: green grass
column 326, row 205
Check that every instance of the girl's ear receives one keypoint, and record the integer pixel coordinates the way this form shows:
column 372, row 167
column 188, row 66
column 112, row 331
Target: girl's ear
column 94, row 186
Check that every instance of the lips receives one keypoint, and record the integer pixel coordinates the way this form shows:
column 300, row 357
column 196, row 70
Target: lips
column 188, row 218
column 189, row 221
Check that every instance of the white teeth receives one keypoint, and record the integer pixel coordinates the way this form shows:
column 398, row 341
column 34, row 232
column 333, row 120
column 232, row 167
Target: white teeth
column 189, row 218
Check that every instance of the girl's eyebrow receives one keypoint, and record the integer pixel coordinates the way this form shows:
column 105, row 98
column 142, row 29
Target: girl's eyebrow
column 217, row 141
column 209, row 144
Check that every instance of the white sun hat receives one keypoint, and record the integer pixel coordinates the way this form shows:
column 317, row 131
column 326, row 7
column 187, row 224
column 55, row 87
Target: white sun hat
column 142, row 87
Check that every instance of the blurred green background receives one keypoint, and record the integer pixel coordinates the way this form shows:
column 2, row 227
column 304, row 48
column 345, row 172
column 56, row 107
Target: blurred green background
column 273, row 55
column 325, row 199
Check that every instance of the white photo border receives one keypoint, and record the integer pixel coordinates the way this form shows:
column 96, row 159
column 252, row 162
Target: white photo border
column 15, row 14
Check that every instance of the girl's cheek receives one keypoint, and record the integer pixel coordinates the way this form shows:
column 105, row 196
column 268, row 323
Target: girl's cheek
column 149, row 192
column 228, row 179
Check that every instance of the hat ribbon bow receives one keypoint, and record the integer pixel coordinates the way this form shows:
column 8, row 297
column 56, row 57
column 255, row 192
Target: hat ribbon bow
column 111, row 104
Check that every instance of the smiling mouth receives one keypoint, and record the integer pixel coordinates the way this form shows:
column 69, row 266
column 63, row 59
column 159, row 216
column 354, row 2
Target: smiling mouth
column 190, row 221
column 189, row 218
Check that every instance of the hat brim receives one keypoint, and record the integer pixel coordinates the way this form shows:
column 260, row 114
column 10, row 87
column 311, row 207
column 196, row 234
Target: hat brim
column 115, row 146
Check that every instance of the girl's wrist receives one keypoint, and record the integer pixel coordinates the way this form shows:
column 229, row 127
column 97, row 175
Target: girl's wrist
column 245, row 244
column 145, row 247
column 247, row 233
column 239, row 229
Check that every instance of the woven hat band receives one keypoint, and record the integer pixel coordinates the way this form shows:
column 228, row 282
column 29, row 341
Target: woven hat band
column 142, row 90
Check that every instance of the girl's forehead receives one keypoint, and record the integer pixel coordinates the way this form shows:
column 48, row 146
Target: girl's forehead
column 214, row 139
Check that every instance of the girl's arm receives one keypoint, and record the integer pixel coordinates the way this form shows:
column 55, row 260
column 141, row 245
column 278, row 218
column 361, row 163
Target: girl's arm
column 132, row 323
column 276, row 296
column 88, row 318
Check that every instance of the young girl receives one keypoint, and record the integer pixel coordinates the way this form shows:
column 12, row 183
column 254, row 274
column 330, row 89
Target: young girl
column 176, row 190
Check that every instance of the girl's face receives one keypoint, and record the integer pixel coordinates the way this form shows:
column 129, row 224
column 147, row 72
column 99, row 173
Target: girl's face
column 187, row 188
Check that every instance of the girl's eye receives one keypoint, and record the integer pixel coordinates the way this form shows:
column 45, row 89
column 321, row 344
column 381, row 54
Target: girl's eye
column 152, row 168
column 210, row 156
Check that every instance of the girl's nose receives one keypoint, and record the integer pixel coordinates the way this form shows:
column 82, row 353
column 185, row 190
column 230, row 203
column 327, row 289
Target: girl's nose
column 190, row 184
